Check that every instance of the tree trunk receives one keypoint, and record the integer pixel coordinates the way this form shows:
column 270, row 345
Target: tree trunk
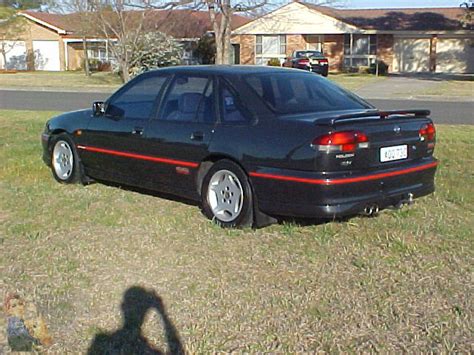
column 86, row 57
column 4, row 56
column 124, row 68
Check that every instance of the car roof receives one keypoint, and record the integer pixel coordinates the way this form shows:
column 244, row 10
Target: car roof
column 224, row 69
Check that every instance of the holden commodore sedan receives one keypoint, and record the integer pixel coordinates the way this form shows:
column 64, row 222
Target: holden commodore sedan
column 249, row 143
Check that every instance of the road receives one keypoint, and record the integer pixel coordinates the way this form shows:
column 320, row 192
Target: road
column 441, row 111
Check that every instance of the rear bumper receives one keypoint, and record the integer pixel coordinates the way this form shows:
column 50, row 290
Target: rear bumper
column 319, row 69
column 303, row 194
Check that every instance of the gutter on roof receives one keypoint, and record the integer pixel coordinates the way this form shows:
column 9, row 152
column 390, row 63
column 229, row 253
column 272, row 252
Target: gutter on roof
column 46, row 24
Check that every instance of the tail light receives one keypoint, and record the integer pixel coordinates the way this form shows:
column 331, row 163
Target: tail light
column 303, row 61
column 427, row 134
column 344, row 141
column 323, row 61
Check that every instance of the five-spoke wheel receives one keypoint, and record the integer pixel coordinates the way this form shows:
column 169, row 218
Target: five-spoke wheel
column 65, row 163
column 227, row 195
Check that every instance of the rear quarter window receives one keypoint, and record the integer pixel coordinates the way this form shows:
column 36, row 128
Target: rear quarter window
column 287, row 93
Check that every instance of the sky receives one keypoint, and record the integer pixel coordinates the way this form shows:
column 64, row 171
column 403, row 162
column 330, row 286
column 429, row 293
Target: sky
column 400, row 3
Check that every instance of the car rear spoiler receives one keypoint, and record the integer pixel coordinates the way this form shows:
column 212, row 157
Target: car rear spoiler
column 371, row 115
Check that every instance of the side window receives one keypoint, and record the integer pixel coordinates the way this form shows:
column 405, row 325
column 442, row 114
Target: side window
column 232, row 110
column 138, row 100
column 189, row 99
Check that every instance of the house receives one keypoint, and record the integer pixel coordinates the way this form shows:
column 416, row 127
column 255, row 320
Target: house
column 52, row 41
column 407, row 40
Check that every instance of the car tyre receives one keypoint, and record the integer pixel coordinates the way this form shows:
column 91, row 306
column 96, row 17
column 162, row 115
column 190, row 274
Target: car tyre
column 226, row 196
column 65, row 162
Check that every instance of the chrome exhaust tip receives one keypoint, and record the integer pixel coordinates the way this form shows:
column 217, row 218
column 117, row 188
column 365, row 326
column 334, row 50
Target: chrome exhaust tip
column 371, row 210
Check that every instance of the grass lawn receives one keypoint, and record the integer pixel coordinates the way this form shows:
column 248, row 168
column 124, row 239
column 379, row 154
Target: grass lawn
column 354, row 81
column 452, row 88
column 401, row 282
column 64, row 79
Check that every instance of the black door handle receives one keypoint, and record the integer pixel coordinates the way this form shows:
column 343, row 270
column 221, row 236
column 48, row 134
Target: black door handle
column 138, row 131
column 197, row 136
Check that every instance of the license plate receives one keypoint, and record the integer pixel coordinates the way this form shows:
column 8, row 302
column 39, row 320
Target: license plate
column 314, row 61
column 396, row 152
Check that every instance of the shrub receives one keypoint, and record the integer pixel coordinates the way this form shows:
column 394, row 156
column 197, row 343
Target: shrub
column 383, row 68
column 154, row 50
column 274, row 62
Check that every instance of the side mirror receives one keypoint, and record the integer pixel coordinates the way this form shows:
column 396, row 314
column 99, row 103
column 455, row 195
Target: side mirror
column 98, row 108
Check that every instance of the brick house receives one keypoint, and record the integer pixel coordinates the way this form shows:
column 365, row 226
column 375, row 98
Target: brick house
column 51, row 41
column 407, row 40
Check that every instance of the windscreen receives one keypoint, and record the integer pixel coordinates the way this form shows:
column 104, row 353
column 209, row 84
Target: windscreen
column 308, row 54
column 293, row 92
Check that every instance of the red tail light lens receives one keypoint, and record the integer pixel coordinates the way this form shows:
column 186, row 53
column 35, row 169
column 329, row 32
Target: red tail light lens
column 427, row 132
column 303, row 61
column 345, row 141
column 323, row 60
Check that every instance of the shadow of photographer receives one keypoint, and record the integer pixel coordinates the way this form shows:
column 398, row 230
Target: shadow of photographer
column 137, row 301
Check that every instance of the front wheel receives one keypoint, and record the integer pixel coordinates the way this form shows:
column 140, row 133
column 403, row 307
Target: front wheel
column 227, row 195
column 65, row 163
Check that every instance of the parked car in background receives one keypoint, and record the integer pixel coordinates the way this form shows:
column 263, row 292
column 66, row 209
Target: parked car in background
column 313, row 61
column 249, row 143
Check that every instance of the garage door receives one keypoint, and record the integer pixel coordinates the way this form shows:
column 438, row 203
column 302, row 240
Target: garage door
column 15, row 53
column 411, row 55
column 455, row 55
column 46, row 55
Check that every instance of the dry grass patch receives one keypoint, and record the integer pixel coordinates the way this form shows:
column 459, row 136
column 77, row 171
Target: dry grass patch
column 398, row 282
column 63, row 79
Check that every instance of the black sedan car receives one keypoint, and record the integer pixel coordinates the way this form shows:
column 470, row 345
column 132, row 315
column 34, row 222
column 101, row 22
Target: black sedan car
column 249, row 143
column 313, row 61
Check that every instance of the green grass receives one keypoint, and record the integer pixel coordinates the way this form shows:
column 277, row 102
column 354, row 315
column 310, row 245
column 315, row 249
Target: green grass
column 454, row 88
column 355, row 80
column 64, row 79
column 401, row 282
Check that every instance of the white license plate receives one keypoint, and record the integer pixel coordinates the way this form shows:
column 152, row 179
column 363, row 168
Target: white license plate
column 396, row 152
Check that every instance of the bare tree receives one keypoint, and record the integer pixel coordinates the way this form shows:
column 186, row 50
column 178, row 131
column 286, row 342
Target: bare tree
column 12, row 27
column 122, row 28
column 221, row 14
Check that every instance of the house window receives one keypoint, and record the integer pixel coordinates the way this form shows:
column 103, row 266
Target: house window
column 97, row 51
column 268, row 47
column 359, row 50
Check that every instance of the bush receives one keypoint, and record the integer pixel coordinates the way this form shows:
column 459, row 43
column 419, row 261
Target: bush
column 383, row 68
column 154, row 50
column 363, row 69
column 206, row 49
column 274, row 62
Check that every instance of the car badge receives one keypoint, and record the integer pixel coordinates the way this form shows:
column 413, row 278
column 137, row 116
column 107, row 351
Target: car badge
column 397, row 129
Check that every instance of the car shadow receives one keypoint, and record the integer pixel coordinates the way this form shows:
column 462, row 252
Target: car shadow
column 302, row 222
column 307, row 222
column 154, row 193
column 137, row 301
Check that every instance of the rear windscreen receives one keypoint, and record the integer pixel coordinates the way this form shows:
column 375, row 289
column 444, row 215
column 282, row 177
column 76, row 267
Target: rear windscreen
column 294, row 92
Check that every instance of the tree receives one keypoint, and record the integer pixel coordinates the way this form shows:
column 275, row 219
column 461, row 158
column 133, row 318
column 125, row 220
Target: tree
column 84, row 10
column 468, row 15
column 221, row 13
column 12, row 25
column 123, row 29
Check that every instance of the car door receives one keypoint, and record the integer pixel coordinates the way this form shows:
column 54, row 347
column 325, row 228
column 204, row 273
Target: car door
column 114, row 142
column 181, row 132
